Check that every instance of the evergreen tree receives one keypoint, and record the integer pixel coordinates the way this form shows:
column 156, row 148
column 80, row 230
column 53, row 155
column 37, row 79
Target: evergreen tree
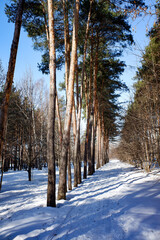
column 140, row 134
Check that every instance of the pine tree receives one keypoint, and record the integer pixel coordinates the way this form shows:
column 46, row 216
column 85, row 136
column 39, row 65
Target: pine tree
column 140, row 133
column 67, row 122
column 51, row 192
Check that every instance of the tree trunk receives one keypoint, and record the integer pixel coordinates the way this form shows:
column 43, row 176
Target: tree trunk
column 94, row 142
column 15, row 158
column 10, row 75
column 85, row 151
column 35, row 148
column 69, row 170
column 95, row 107
column 74, row 120
column 30, row 148
column 87, row 143
column 57, row 102
column 2, row 170
column 59, row 120
column 77, row 142
column 107, row 148
column 67, row 68
column 79, row 163
column 21, row 154
column 98, row 145
column 51, row 191
column 102, row 144
column 87, row 124
column 66, row 43
column 67, row 123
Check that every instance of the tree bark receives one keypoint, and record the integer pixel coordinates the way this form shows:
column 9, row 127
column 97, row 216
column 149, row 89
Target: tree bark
column 103, row 142
column 30, row 147
column 51, row 191
column 87, row 143
column 77, row 142
column 98, row 143
column 69, row 170
column 95, row 105
column 67, row 123
column 10, row 75
column 74, row 120
column 59, row 120
column 2, row 169
column 57, row 102
column 66, row 43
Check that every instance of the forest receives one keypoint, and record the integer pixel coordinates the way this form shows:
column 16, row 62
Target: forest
column 41, row 128
column 88, row 38
column 139, row 144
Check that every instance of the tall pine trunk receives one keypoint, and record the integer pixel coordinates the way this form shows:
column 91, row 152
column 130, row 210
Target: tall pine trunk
column 87, row 150
column 10, row 75
column 77, row 167
column 67, row 123
column 66, row 43
column 69, row 170
column 103, row 141
column 95, row 109
column 51, row 191
column 67, row 68
column 89, row 143
column 98, row 143
column 59, row 120
column 86, row 137
column 30, row 147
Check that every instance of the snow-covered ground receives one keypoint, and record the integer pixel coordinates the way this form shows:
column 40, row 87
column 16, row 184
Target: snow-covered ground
column 119, row 202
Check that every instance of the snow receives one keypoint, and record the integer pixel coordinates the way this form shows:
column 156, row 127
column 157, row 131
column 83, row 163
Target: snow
column 118, row 202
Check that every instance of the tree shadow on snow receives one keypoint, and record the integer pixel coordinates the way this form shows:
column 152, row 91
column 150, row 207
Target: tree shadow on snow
column 97, row 214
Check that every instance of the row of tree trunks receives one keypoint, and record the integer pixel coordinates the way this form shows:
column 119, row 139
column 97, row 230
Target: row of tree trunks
column 77, row 154
column 68, row 115
column 71, row 73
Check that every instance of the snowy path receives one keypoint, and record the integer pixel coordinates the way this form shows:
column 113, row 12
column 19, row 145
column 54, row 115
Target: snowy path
column 119, row 202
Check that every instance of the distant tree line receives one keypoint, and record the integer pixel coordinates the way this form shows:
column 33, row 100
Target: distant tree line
column 25, row 140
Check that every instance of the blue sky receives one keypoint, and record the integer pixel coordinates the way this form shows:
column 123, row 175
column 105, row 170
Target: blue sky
column 132, row 55
column 27, row 58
